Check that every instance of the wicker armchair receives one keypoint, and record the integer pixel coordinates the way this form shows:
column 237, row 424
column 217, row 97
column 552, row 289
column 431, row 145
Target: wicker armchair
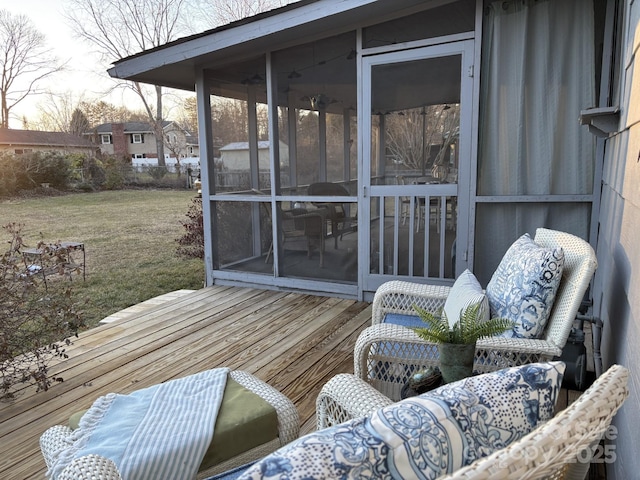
column 558, row 449
column 561, row 448
column 385, row 353
column 91, row 467
column 54, row 439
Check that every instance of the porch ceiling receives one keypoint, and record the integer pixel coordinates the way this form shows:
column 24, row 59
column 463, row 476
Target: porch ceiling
column 323, row 67
column 176, row 64
column 328, row 67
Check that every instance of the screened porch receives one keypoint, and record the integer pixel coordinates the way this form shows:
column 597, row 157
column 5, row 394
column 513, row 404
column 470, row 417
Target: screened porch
column 387, row 140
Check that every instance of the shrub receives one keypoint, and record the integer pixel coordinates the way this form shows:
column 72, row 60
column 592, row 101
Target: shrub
column 8, row 175
column 191, row 244
column 37, row 320
column 156, row 172
column 49, row 168
column 116, row 171
column 87, row 173
column 94, row 172
column 35, row 169
column 85, row 187
column 30, row 171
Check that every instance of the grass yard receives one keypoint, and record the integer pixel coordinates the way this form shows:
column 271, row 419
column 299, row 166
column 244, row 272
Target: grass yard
column 130, row 242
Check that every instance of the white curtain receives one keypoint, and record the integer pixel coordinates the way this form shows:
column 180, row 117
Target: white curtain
column 538, row 72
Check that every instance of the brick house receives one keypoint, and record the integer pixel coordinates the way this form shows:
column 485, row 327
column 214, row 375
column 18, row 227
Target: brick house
column 136, row 140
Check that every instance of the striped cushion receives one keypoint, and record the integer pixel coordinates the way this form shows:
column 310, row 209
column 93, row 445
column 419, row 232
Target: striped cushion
column 466, row 291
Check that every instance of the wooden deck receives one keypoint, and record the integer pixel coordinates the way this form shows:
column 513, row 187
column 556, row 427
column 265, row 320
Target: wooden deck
column 292, row 341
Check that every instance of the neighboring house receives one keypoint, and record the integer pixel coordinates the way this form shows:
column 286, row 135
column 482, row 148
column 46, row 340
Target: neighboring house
column 511, row 78
column 235, row 156
column 137, row 140
column 27, row 141
column 180, row 143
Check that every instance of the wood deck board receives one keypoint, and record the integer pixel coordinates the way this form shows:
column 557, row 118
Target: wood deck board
column 132, row 346
column 292, row 341
column 155, row 360
column 123, row 380
column 96, row 342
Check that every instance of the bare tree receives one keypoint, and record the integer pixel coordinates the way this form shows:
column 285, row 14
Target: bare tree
column 188, row 115
column 211, row 13
column 24, row 62
column 231, row 10
column 104, row 112
column 120, row 28
column 419, row 138
column 56, row 111
column 60, row 113
column 176, row 141
column 79, row 123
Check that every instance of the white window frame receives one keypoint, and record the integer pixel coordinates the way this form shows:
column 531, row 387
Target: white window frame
column 136, row 138
column 105, row 139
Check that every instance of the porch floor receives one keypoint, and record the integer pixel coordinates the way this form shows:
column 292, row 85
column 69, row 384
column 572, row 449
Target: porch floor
column 294, row 342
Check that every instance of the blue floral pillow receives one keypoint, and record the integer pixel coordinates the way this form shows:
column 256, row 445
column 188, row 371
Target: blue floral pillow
column 427, row 436
column 524, row 286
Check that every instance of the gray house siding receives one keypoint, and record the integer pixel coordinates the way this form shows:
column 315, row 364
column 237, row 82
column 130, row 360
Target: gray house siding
column 617, row 281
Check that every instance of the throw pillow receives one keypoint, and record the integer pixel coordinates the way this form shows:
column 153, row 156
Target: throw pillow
column 524, row 286
column 466, row 291
column 426, row 436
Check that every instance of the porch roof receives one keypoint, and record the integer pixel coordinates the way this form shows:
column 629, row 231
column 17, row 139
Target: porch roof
column 177, row 63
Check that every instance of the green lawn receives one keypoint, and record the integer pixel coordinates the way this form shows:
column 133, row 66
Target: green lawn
column 130, row 241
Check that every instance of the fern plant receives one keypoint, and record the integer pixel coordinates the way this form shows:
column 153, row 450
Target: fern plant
column 467, row 330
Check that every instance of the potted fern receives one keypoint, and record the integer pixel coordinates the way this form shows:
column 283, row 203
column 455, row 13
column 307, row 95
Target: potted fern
column 457, row 342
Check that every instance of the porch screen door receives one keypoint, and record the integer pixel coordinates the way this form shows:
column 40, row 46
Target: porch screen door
column 416, row 149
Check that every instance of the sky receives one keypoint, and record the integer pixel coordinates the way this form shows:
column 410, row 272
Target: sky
column 85, row 77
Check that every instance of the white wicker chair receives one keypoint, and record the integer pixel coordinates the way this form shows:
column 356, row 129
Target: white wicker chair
column 385, row 353
column 90, row 467
column 54, row 438
column 559, row 449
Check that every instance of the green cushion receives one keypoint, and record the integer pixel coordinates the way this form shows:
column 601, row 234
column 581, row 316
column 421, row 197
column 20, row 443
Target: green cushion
column 245, row 421
column 74, row 420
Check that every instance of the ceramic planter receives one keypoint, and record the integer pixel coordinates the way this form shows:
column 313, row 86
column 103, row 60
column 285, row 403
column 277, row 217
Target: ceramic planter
column 456, row 361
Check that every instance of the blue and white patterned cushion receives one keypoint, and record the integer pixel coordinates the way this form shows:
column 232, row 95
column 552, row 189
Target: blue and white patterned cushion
column 427, row 436
column 524, row 286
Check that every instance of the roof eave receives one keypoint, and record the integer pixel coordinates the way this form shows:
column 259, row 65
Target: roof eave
column 175, row 64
